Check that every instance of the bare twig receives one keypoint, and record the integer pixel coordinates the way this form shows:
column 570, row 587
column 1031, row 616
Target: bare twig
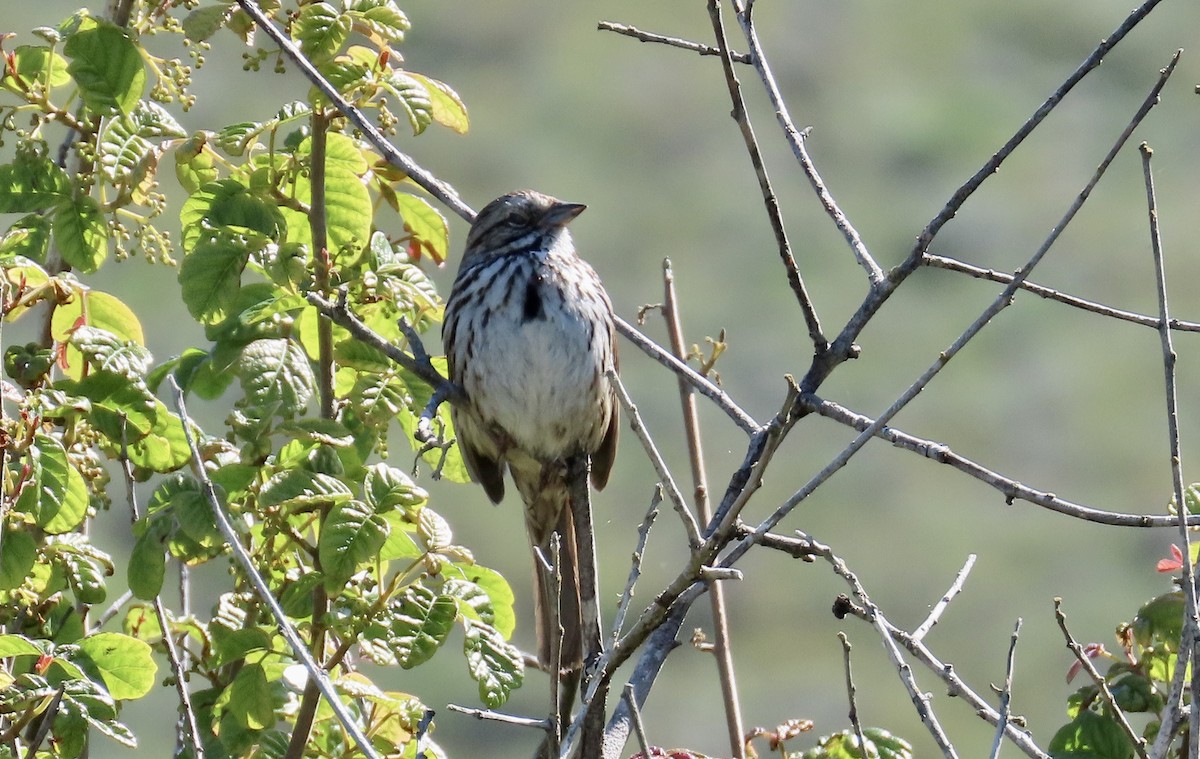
column 770, row 201
column 638, row 727
column 998, row 305
column 873, row 615
column 694, row 378
column 1049, row 293
column 261, row 589
column 722, row 650
column 640, row 36
column 1190, row 635
column 691, row 529
column 851, row 691
column 431, row 184
column 1006, row 693
column 843, row 345
column 1011, row 489
column 936, row 612
column 635, row 567
column 797, row 139
column 494, row 716
column 1139, row 743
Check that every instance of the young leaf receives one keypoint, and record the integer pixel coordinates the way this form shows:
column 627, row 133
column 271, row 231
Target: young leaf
column 427, row 227
column 210, row 276
column 321, row 31
column 448, row 108
column 92, row 308
column 386, row 487
column 1093, row 736
column 34, row 65
column 85, row 565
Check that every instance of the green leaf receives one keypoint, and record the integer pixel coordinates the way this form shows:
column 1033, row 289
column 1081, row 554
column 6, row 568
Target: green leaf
column 380, row 19
column 210, row 277
column 27, row 237
column 401, row 543
column 492, row 662
column 1160, row 621
column 249, row 698
column 164, row 448
column 130, row 145
column 387, row 487
column 228, row 203
column 148, row 562
column 126, row 664
column 348, row 212
column 81, row 233
column 92, row 308
column 122, row 409
column 276, row 374
column 427, row 227
column 32, row 183
column 448, row 108
column 499, row 593
column 421, row 624
column 105, row 351
column 1091, row 736
column 85, row 565
column 352, row 534
column 34, row 65
column 300, row 489
column 297, row 597
column 18, row 645
column 412, row 97
column 18, row 551
column 55, row 493
column 203, row 23
column 321, row 31
column 107, row 66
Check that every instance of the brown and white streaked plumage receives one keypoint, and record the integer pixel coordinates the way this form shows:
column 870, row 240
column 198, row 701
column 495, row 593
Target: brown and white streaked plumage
column 529, row 336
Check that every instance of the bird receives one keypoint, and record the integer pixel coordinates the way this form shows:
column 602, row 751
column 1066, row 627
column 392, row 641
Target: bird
column 529, row 338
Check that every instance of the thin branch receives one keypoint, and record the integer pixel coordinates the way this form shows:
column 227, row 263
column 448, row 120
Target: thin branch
column 851, row 691
column 640, row 36
column 635, row 567
column 694, row 378
column 722, row 650
column 1006, row 693
column 940, row 607
column 691, row 529
column 431, row 184
column 1139, row 743
column 843, row 345
column 339, row 313
column 797, row 139
column 873, row 615
column 1049, row 293
column 1011, row 489
column 263, row 591
column 638, row 727
column 770, row 201
column 1189, row 642
column 998, row 305
column 494, row 716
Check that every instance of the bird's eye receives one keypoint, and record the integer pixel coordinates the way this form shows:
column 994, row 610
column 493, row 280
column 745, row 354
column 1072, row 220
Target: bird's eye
column 514, row 221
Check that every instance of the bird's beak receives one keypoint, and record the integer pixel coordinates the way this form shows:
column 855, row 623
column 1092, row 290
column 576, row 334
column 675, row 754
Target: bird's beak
column 560, row 214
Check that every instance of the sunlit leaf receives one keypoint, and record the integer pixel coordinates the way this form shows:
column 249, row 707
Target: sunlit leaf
column 107, row 66
column 495, row 664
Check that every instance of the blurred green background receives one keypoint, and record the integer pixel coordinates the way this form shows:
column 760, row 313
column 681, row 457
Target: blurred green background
column 906, row 101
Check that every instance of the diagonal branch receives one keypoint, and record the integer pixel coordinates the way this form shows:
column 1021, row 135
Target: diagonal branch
column 662, row 39
column 770, row 201
column 797, row 139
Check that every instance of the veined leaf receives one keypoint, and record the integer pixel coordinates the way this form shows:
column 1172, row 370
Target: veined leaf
column 412, row 96
column 276, row 372
column 131, row 144
column 81, row 233
column 382, row 20
column 107, row 66
column 352, row 534
column 32, row 183
column 85, row 565
column 34, row 65
column 300, row 488
column 210, row 276
column 448, row 108
column 99, row 310
column 54, row 493
column 228, row 203
column 496, row 665
column 126, row 664
column 421, row 624
column 204, row 22
column 429, row 231
column 321, row 31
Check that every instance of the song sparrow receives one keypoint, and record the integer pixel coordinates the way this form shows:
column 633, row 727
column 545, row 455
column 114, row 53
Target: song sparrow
column 529, row 336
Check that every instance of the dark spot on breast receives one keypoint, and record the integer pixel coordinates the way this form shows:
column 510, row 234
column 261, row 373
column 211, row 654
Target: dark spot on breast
column 533, row 301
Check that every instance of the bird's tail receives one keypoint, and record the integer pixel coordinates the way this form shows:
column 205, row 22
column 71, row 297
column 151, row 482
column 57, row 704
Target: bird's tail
column 546, row 515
